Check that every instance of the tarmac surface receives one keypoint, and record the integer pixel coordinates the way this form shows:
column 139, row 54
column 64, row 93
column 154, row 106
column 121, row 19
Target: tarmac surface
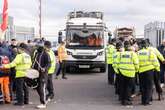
column 87, row 90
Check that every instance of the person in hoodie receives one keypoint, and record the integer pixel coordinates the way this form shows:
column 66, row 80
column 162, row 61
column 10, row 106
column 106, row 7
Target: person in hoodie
column 42, row 63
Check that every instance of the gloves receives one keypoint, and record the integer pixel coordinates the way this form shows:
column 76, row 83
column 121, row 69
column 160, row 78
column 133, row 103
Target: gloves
column 43, row 70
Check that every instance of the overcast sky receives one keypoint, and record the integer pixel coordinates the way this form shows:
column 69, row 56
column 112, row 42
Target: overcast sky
column 117, row 13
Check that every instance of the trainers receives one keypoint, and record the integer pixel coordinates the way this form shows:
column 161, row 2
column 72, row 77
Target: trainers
column 41, row 106
column 48, row 100
column 162, row 85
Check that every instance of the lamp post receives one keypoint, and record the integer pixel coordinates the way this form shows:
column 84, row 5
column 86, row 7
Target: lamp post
column 40, row 18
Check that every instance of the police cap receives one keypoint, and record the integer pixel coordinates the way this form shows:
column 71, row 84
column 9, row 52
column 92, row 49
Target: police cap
column 47, row 44
column 23, row 46
column 119, row 45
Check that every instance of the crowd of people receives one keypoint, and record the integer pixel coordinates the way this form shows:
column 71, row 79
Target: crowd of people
column 132, row 63
column 14, row 85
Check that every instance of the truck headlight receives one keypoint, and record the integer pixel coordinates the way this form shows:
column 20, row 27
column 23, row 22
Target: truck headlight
column 69, row 53
column 100, row 53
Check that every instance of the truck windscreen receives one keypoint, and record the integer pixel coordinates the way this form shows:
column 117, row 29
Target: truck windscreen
column 85, row 38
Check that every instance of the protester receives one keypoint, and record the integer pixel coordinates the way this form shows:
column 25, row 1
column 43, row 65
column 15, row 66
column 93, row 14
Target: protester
column 42, row 63
column 62, row 55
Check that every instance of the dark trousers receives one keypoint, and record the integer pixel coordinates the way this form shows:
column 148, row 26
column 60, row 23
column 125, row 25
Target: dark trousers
column 12, row 83
column 146, row 85
column 61, row 69
column 41, row 89
column 50, row 87
column 111, row 74
column 22, row 92
column 126, row 90
column 117, row 83
column 162, row 70
column 157, row 82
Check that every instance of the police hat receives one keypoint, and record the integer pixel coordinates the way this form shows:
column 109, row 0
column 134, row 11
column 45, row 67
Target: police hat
column 23, row 46
column 144, row 43
column 127, row 44
column 119, row 45
column 47, row 44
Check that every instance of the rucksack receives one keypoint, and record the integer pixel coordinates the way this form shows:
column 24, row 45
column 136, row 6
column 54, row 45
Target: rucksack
column 4, row 60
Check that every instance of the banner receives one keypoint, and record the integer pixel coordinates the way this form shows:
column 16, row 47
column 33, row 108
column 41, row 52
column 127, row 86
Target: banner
column 4, row 24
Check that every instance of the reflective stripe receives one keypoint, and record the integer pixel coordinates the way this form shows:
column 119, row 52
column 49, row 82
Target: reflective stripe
column 127, row 69
column 147, row 60
column 126, row 63
column 145, row 65
column 153, row 60
column 136, row 64
column 143, row 60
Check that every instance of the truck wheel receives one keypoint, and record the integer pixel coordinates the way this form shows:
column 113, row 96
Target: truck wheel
column 103, row 69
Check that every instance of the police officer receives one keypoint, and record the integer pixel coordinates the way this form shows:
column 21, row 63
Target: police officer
column 148, row 63
column 157, row 74
column 22, row 62
column 51, row 70
column 119, row 48
column 110, row 53
column 128, row 65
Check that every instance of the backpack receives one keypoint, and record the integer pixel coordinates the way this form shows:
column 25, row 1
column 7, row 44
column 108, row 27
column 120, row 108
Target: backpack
column 4, row 60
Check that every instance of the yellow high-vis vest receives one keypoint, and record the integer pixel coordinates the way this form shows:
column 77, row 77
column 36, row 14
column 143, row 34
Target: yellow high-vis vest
column 128, row 63
column 147, row 60
column 22, row 62
column 110, row 53
column 53, row 62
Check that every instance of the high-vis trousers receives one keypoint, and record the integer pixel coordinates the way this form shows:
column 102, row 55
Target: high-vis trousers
column 4, row 82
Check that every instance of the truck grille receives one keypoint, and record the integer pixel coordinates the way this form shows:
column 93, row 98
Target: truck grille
column 84, row 56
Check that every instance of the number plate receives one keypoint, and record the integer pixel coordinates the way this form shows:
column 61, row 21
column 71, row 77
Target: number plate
column 84, row 66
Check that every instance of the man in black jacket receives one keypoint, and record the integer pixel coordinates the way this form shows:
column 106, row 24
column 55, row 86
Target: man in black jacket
column 42, row 63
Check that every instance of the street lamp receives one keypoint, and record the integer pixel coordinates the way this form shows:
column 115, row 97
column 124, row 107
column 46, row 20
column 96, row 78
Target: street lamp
column 40, row 18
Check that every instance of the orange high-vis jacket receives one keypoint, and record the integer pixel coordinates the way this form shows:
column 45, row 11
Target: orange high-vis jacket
column 99, row 41
column 62, row 54
column 91, row 41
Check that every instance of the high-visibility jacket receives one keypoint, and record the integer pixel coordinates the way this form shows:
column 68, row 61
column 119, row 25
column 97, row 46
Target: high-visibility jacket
column 147, row 60
column 115, row 62
column 91, row 41
column 99, row 41
column 53, row 62
column 62, row 55
column 110, row 53
column 157, row 53
column 22, row 62
column 128, row 63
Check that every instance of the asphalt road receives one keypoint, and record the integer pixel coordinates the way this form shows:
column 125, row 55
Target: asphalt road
column 84, row 91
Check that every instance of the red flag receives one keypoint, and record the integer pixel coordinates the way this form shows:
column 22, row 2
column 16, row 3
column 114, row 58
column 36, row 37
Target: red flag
column 4, row 16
